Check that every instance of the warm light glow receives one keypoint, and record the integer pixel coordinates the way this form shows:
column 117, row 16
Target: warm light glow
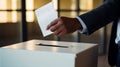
column 73, row 6
column 30, row 16
column 30, row 45
column 55, row 3
column 14, row 4
column 3, row 4
column 29, row 4
column 82, row 12
column 3, row 16
column 86, row 4
column 54, row 49
column 14, row 16
column 73, row 14
column 90, row 4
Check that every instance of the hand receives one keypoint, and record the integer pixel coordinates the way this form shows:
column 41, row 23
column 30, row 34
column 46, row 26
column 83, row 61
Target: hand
column 64, row 25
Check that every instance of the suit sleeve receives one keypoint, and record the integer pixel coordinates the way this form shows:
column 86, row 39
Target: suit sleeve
column 101, row 16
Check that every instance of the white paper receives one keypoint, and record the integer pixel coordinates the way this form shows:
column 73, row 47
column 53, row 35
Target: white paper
column 45, row 15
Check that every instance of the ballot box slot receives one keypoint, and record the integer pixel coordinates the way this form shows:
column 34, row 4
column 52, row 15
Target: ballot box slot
column 41, row 44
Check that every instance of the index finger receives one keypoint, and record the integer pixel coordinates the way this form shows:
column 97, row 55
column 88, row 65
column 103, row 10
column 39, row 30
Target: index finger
column 52, row 24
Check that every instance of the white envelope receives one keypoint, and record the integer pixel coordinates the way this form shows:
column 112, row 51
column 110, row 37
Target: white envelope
column 45, row 15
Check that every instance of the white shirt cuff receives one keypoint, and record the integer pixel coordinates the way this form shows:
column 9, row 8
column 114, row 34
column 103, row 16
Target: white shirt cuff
column 84, row 30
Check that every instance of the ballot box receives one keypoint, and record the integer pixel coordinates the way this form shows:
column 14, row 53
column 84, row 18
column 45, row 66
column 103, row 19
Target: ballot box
column 43, row 53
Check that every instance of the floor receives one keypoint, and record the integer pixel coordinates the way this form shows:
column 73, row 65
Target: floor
column 102, row 61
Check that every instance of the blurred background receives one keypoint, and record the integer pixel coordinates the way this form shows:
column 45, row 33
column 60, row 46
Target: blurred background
column 18, row 23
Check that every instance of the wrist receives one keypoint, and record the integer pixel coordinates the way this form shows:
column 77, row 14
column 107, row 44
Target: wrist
column 78, row 25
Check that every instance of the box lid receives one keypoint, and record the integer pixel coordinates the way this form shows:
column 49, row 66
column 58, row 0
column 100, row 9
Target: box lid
column 52, row 46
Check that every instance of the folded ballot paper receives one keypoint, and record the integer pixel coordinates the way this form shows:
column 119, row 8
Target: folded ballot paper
column 45, row 15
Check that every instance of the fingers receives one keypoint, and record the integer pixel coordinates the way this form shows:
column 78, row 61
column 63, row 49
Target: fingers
column 57, row 27
column 60, row 32
column 52, row 24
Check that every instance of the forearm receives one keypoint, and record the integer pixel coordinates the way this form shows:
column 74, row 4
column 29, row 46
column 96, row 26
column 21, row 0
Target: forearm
column 100, row 16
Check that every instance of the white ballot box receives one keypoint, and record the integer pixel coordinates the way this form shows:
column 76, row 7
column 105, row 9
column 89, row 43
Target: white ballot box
column 43, row 53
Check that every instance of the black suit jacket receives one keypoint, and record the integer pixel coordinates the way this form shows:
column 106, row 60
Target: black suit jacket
column 109, row 11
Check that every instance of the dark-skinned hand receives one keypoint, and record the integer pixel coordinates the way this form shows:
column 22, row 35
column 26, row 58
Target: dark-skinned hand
column 64, row 25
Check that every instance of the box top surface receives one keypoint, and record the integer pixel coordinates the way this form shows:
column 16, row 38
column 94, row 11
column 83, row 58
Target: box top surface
column 51, row 46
